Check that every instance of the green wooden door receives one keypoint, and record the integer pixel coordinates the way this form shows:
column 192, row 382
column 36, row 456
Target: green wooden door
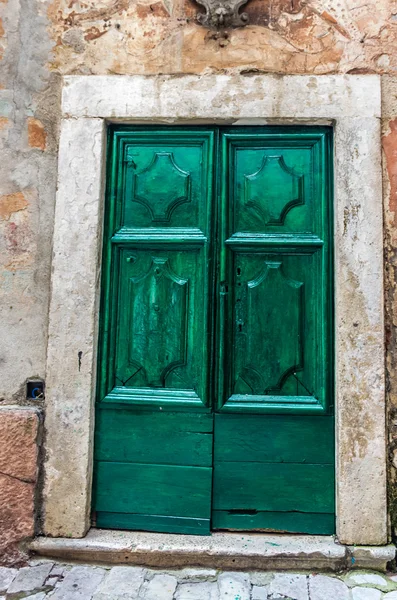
column 215, row 366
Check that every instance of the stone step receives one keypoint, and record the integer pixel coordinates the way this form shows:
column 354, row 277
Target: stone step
column 219, row 551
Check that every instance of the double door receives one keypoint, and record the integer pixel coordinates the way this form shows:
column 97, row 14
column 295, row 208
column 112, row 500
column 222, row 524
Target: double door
column 215, row 380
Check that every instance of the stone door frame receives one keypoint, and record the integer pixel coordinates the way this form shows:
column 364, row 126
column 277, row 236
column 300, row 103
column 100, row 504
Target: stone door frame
column 352, row 104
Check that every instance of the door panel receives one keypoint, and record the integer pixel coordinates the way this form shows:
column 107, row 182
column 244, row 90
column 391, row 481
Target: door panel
column 159, row 344
column 273, row 434
column 267, row 438
column 177, row 159
column 154, row 432
column 274, row 338
column 272, row 182
column 284, row 487
column 176, row 482
column 159, row 439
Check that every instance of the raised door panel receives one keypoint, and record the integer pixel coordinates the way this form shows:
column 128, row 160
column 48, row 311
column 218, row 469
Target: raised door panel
column 276, row 331
column 165, row 180
column 162, row 304
column 272, row 185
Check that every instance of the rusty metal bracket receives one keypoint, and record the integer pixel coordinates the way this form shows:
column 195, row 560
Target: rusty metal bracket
column 220, row 14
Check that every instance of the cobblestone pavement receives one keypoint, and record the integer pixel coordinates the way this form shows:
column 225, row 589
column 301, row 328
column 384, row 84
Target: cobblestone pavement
column 44, row 580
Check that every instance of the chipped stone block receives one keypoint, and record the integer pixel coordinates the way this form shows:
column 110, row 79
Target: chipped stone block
column 371, row 557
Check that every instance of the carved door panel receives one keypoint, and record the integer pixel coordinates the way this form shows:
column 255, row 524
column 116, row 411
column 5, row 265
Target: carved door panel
column 215, row 366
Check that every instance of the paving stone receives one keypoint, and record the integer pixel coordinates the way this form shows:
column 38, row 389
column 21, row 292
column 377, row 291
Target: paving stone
column 390, row 596
column 322, row 587
column 259, row 593
column 30, row 579
column 261, row 579
column 197, row 591
column 7, row 576
column 195, row 575
column 39, row 596
column 289, row 585
column 368, row 578
column 80, row 583
column 234, row 586
column 59, row 570
column 121, row 583
column 161, row 587
column 363, row 593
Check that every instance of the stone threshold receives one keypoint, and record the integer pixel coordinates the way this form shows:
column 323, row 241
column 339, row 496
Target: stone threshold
column 221, row 550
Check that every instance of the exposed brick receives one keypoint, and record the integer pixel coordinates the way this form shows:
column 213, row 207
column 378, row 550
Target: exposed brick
column 11, row 203
column 37, row 136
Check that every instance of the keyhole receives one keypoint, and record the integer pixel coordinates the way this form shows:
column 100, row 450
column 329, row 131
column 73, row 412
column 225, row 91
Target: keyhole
column 238, row 271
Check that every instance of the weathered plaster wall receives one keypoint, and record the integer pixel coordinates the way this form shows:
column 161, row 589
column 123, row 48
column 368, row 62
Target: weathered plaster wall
column 284, row 36
column 40, row 40
column 28, row 124
column 28, row 144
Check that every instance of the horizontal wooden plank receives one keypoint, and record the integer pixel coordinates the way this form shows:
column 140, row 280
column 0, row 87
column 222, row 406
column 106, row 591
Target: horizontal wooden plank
column 274, row 438
column 160, row 523
column 273, row 487
column 282, row 522
column 168, row 490
column 154, row 437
